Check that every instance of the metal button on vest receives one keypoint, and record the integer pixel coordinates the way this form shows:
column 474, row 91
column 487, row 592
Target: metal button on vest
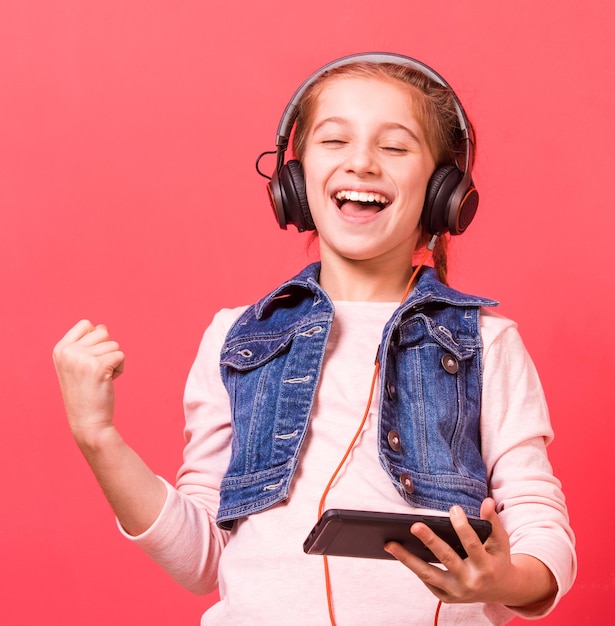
column 394, row 440
column 406, row 483
column 449, row 363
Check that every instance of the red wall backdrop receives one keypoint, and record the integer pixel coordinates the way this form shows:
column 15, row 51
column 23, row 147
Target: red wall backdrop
column 128, row 134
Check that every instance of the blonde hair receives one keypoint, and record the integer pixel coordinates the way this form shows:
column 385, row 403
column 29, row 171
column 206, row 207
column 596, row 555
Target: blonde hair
column 434, row 106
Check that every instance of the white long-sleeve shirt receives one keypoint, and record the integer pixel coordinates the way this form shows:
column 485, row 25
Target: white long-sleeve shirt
column 264, row 577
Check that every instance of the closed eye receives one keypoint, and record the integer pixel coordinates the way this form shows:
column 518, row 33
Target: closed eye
column 395, row 150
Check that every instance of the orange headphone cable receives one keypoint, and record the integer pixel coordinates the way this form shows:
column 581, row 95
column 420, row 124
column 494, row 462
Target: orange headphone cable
column 321, row 505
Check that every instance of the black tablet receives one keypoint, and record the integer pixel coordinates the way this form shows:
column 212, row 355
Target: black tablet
column 343, row 532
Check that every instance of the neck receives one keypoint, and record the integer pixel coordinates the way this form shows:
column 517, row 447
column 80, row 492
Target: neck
column 364, row 281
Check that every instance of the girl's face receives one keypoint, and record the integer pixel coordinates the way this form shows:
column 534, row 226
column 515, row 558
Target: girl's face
column 366, row 166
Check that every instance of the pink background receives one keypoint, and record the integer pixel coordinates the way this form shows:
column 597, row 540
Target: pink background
column 128, row 135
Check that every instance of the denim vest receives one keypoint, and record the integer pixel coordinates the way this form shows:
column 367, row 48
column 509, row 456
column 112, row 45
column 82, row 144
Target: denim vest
column 430, row 395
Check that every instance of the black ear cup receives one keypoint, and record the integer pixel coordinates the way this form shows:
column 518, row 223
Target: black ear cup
column 447, row 208
column 440, row 187
column 291, row 205
column 466, row 210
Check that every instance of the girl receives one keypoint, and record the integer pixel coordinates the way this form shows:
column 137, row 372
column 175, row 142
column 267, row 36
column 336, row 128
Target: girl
column 454, row 419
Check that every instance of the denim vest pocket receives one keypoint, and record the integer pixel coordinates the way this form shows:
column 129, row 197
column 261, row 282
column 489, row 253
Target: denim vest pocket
column 248, row 353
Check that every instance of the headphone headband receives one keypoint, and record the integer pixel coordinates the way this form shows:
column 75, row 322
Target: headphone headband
column 291, row 111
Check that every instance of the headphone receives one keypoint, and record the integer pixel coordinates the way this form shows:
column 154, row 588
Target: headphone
column 451, row 199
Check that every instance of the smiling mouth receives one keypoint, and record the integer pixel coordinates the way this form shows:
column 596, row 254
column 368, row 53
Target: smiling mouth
column 357, row 202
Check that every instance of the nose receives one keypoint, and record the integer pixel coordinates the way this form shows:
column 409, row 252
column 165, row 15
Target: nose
column 362, row 160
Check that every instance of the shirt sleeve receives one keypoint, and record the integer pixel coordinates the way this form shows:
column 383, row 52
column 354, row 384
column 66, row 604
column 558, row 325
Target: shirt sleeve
column 515, row 433
column 184, row 539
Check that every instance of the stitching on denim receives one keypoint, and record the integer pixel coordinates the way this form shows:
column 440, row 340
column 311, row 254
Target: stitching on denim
column 287, row 435
column 274, row 486
column 311, row 332
column 446, row 331
column 294, row 381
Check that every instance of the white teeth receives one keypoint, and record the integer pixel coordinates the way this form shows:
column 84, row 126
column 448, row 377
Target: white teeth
column 363, row 196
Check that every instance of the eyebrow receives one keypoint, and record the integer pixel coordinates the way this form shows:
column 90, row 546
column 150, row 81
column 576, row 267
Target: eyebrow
column 386, row 126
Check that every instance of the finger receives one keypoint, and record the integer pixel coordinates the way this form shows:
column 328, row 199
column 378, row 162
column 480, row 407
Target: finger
column 438, row 546
column 103, row 347
column 430, row 575
column 488, row 510
column 98, row 334
column 79, row 330
column 499, row 536
column 113, row 363
column 112, row 357
column 118, row 371
column 467, row 535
